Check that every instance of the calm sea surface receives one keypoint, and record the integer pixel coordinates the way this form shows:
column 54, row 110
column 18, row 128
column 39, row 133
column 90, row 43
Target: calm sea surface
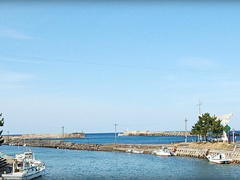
column 104, row 138
column 87, row 165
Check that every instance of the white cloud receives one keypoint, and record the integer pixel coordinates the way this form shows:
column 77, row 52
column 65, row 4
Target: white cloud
column 10, row 33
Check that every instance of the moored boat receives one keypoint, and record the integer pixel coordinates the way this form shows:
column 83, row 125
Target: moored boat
column 135, row 151
column 165, row 152
column 220, row 158
column 25, row 167
column 162, row 152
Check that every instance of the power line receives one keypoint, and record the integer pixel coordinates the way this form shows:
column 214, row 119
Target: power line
column 45, row 60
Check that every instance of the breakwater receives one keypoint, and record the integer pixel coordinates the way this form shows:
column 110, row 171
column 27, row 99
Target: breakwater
column 45, row 136
column 149, row 133
column 183, row 149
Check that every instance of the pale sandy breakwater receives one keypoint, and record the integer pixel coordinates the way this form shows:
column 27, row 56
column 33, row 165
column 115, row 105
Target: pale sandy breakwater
column 45, row 136
column 150, row 133
column 197, row 150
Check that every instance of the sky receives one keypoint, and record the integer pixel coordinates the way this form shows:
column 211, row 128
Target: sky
column 143, row 65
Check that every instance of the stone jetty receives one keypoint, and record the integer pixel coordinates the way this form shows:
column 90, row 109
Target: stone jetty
column 197, row 150
column 149, row 133
column 45, row 136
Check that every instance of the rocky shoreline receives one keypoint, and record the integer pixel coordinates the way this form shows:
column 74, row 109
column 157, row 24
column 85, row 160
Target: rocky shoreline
column 197, row 150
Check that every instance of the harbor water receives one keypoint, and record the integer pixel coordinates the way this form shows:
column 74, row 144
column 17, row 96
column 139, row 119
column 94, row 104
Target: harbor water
column 105, row 138
column 87, row 165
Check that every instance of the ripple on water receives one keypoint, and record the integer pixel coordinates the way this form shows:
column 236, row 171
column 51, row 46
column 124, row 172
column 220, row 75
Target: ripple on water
column 88, row 165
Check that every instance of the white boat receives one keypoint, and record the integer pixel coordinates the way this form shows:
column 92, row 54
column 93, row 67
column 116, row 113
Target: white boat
column 25, row 167
column 134, row 151
column 220, row 158
column 163, row 152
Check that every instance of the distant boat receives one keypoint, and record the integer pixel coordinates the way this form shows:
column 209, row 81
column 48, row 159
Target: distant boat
column 25, row 166
column 135, row 151
column 220, row 158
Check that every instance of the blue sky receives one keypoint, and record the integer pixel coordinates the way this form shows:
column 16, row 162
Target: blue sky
column 88, row 65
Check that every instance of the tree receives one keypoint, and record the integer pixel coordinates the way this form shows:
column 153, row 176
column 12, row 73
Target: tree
column 206, row 124
column 217, row 128
column 1, row 124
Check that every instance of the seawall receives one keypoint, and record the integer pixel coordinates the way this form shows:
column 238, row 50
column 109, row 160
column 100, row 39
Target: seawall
column 183, row 149
column 45, row 136
column 149, row 133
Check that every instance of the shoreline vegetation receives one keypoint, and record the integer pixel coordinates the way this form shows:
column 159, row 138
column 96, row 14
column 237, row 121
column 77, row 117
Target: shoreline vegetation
column 193, row 149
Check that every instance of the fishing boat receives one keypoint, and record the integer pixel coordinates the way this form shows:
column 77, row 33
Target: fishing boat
column 163, row 152
column 220, row 158
column 135, row 151
column 25, row 166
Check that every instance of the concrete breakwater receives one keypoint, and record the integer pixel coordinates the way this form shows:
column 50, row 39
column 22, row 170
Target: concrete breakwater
column 149, row 133
column 183, row 149
column 45, row 136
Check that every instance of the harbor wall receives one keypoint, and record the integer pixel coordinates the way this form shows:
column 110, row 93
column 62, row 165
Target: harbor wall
column 46, row 136
column 149, row 133
column 182, row 149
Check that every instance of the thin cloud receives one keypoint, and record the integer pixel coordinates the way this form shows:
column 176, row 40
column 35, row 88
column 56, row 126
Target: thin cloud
column 10, row 33
column 14, row 77
column 13, row 80
column 196, row 62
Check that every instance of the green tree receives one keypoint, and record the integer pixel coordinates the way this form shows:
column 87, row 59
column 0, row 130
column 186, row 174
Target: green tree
column 1, row 124
column 206, row 124
column 217, row 128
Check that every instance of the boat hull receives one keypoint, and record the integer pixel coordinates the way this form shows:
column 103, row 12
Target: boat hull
column 221, row 161
column 22, row 176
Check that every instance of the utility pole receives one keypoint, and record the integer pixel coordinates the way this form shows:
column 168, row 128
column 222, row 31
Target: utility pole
column 186, row 130
column 115, row 133
column 199, row 106
column 63, row 132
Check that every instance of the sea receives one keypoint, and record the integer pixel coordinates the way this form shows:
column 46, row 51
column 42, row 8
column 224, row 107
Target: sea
column 64, row 164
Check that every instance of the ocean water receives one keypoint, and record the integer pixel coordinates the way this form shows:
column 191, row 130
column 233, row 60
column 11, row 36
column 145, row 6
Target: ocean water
column 64, row 164
column 105, row 138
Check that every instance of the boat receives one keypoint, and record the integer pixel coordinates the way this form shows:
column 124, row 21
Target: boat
column 163, row 152
column 135, row 151
column 25, row 166
column 220, row 158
